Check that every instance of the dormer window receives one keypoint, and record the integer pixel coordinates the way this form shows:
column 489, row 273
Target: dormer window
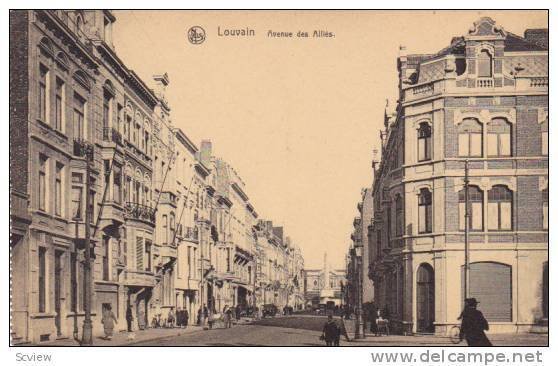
column 484, row 64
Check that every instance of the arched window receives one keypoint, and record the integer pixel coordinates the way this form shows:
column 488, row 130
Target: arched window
column 500, row 208
column 484, row 63
column 470, row 138
column 424, row 142
column 475, row 209
column 425, row 211
column 398, row 215
column 545, row 208
column 499, row 137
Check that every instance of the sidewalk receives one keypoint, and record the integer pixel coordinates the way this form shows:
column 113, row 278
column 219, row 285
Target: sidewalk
column 121, row 338
column 517, row 340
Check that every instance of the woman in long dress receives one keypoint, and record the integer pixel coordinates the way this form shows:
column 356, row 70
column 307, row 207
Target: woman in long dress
column 109, row 319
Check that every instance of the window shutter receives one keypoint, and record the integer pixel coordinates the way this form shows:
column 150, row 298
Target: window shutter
column 139, row 254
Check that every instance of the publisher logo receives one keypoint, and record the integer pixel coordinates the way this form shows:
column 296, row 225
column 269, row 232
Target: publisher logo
column 196, row 35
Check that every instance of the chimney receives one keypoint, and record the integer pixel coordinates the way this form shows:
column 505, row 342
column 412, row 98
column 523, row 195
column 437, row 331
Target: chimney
column 205, row 152
column 538, row 36
column 161, row 83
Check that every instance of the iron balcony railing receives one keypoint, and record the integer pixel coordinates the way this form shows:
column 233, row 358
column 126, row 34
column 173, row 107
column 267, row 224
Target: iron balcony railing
column 83, row 149
column 140, row 212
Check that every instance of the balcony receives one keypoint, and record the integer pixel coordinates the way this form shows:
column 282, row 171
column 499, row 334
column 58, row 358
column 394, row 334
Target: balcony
column 190, row 233
column 136, row 211
column 485, row 83
column 83, row 149
column 110, row 134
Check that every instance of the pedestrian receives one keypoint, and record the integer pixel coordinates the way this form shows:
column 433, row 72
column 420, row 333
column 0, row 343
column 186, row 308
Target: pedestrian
column 373, row 319
column 108, row 322
column 129, row 318
column 205, row 315
column 473, row 325
column 210, row 319
column 200, row 316
column 330, row 332
column 170, row 319
column 185, row 317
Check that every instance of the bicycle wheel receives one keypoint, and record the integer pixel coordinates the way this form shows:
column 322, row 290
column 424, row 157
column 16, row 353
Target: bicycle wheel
column 454, row 334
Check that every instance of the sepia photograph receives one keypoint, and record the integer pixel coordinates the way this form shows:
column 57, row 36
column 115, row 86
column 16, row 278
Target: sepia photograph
column 278, row 178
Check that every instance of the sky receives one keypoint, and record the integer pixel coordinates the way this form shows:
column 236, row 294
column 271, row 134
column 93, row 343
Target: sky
column 298, row 118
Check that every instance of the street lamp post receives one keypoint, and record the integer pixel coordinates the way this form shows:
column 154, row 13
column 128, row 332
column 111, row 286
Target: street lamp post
column 86, row 150
column 359, row 323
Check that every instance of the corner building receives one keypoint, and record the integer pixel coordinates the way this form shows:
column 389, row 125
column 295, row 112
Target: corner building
column 483, row 99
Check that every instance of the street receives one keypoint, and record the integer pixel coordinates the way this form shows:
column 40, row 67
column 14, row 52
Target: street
column 301, row 331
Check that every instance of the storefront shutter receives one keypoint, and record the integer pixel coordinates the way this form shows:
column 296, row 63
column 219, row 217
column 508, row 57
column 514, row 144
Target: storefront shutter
column 490, row 284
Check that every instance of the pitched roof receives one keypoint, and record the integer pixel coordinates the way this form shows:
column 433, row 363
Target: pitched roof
column 513, row 43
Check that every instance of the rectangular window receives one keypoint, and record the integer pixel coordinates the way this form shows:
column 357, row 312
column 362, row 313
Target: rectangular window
column 189, row 262
column 463, row 144
column 165, row 229
column 499, row 215
column 117, row 183
column 106, row 266
column 91, row 207
column 59, row 105
column 79, row 120
column 43, row 162
column 58, row 190
column 42, row 279
column 106, row 111
column 476, row 144
column 147, row 259
column 475, row 211
column 425, row 224
column 544, row 142
column 73, row 282
column 147, row 150
column 77, row 196
column 43, row 93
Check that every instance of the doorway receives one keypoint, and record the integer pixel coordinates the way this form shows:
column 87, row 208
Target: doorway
column 58, row 290
column 425, row 299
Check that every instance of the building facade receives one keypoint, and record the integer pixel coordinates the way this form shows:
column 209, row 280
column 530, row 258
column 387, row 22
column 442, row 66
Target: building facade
column 170, row 226
column 481, row 101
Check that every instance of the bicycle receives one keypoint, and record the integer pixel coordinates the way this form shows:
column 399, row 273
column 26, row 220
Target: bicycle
column 454, row 334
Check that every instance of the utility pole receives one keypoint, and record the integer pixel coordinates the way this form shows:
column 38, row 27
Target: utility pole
column 87, row 335
column 467, row 218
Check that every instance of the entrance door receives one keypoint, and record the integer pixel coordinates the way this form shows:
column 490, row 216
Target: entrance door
column 425, row 299
column 58, row 290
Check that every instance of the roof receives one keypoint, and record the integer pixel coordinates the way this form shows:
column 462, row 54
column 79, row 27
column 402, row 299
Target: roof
column 514, row 43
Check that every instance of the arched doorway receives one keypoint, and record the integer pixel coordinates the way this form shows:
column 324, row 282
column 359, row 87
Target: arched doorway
column 425, row 299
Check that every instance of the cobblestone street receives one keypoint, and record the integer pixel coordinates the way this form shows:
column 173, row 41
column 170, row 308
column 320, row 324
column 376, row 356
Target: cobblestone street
column 301, row 331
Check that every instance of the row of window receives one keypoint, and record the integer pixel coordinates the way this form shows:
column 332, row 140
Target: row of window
column 58, row 120
column 499, row 210
column 132, row 130
column 470, row 139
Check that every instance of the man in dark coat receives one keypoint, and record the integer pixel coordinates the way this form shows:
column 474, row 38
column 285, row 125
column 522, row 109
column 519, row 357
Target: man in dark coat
column 331, row 331
column 129, row 317
column 473, row 325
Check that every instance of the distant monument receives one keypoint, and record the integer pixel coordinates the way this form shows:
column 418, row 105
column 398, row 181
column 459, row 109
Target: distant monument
column 327, row 293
